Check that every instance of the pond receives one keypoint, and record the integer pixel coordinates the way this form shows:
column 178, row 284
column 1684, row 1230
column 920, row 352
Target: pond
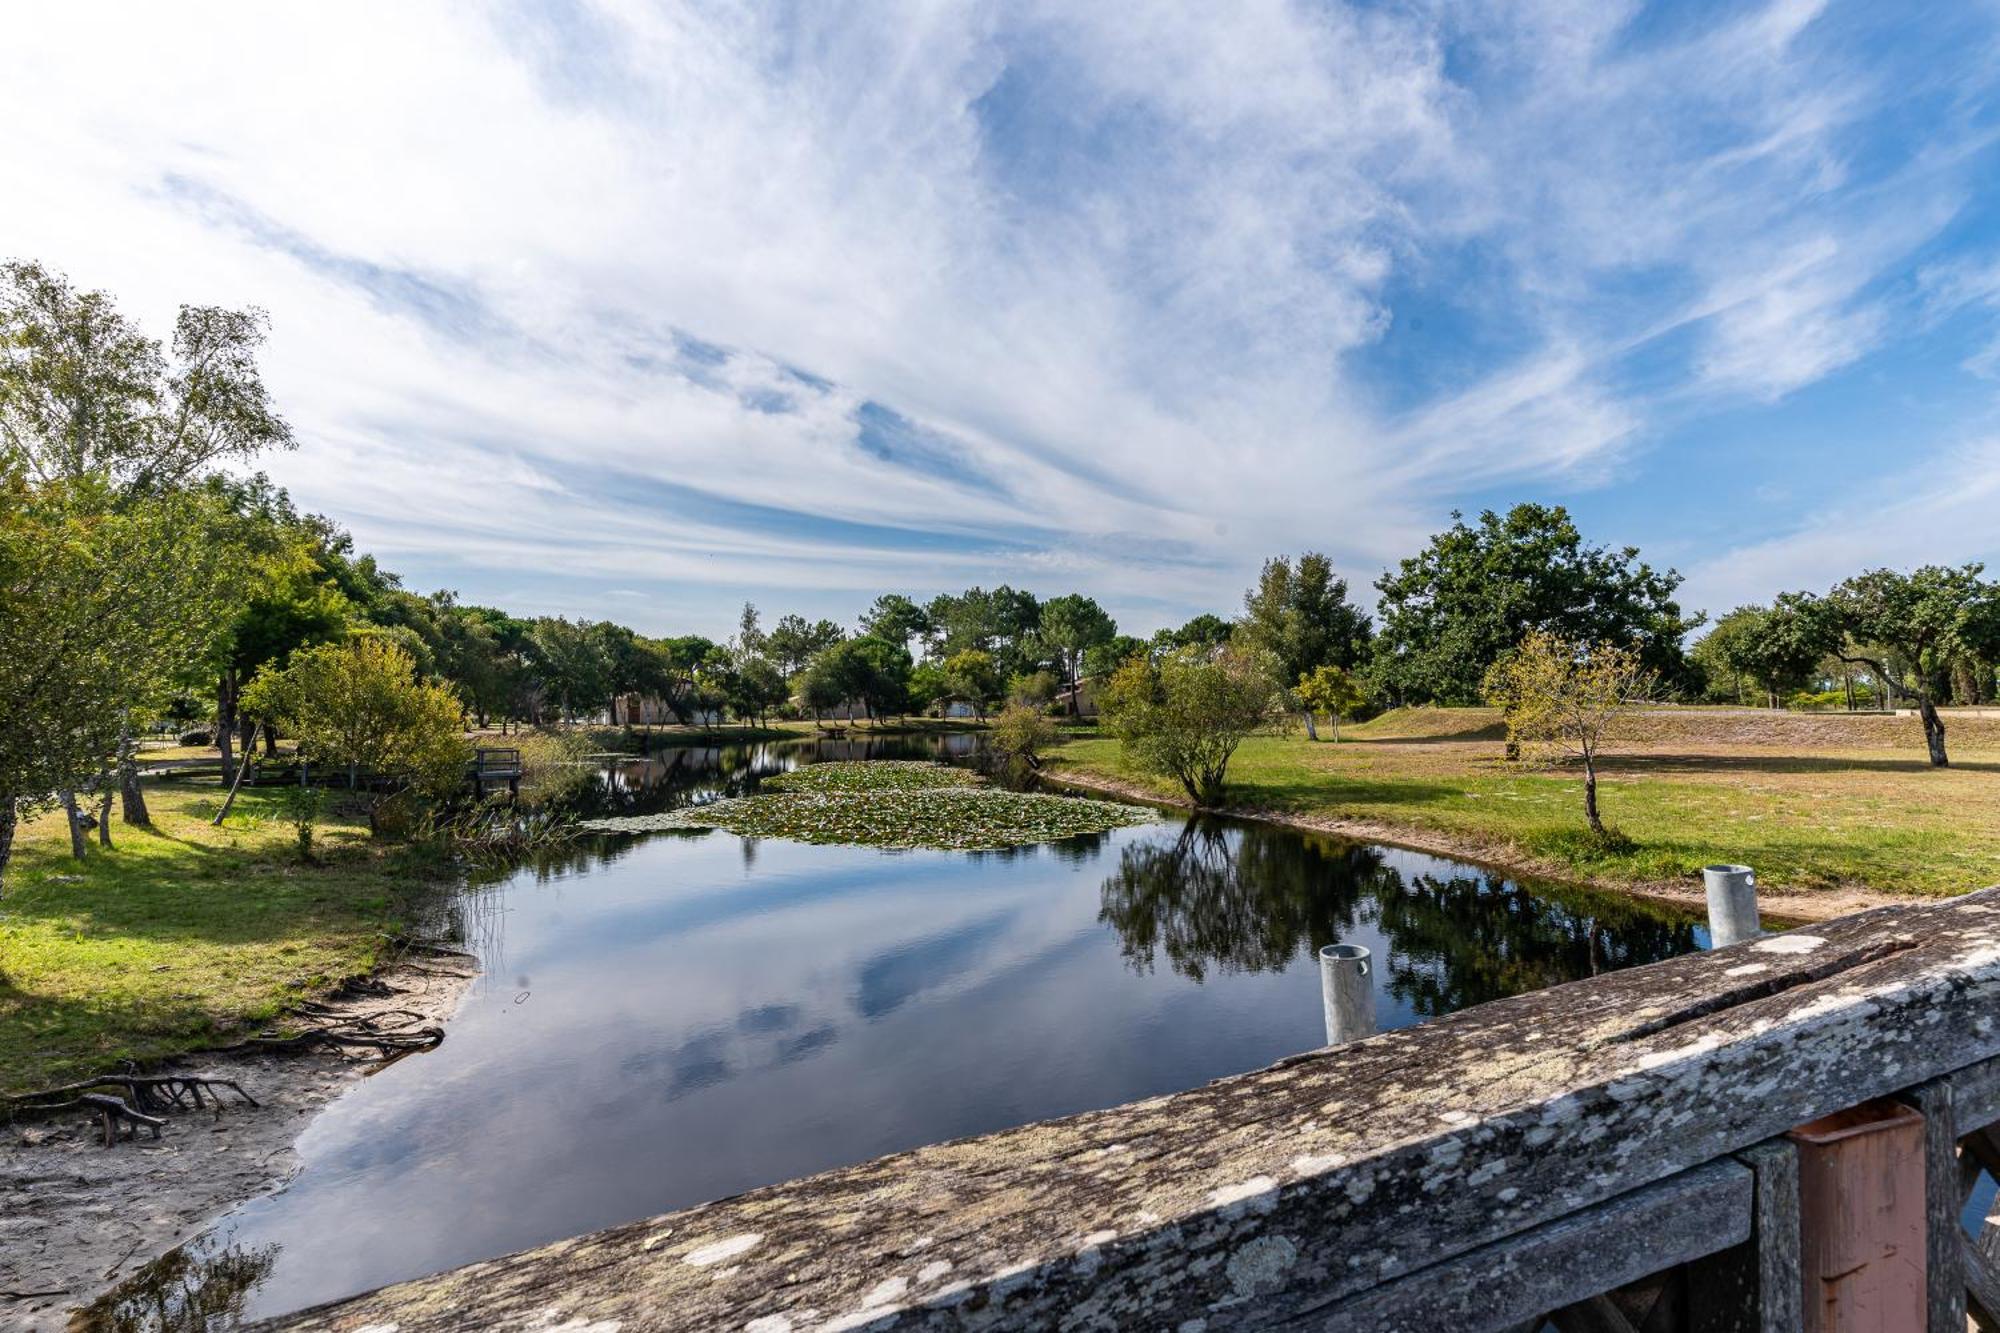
column 667, row 1019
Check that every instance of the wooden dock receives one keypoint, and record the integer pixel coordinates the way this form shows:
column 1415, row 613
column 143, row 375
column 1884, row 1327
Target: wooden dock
column 1609, row 1155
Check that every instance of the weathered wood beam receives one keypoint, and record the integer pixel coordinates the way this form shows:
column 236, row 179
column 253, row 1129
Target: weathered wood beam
column 1561, row 1263
column 1756, row 1287
column 1264, row 1196
column 1944, row 1277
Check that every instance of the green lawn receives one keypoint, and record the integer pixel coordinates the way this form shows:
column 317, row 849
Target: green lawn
column 178, row 937
column 1814, row 804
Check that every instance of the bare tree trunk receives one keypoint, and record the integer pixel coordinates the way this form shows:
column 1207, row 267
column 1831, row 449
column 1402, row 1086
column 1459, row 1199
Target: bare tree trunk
column 236, row 783
column 225, row 723
column 7, row 821
column 1312, row 732
column 105, row 791
column 1590, row 797
column 79, row 846
column 132, row 797
column 1933, row 732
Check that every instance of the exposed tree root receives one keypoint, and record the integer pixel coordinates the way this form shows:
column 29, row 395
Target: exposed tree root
column 389, row 1032
column 150, row 1097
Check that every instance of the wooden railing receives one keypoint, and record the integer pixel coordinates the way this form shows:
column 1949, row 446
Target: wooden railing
column 1610, row 1154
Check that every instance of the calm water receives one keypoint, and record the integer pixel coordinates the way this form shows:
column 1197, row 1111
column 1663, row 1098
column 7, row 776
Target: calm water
column 674, row 1018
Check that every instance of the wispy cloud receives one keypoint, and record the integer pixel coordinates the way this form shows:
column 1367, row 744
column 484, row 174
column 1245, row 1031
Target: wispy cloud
column 804, row 302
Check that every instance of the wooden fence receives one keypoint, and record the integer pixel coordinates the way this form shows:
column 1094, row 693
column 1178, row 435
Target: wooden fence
column 1606, row 1155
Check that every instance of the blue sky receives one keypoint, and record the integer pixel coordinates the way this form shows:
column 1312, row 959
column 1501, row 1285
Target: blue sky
column 642, row 310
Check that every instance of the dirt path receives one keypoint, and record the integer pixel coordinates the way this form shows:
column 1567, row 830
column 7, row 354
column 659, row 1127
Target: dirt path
column 1822, row 905
column 77, row 1217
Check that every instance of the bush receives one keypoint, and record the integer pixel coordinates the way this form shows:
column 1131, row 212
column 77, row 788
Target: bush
column 1185, row 717
column 197, row 738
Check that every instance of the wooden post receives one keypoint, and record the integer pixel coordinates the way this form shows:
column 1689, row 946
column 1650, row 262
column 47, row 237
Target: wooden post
column 1755, row 1287
column 1943, row 1264
column 1861, row 1220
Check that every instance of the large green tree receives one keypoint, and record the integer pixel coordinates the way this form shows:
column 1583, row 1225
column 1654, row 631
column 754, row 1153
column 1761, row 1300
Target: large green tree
column 1070, row 628
column 94, row 410
column 1300, row 615
column 1928, row 619
column 1456, row 607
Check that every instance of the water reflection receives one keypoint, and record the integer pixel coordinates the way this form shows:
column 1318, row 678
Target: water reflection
column 675, row 1018
column 197, row 1287
column 1222, row 897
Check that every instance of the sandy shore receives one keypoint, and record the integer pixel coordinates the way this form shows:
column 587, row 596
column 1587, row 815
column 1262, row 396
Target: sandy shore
column 1821, row 905
column 77, row 1217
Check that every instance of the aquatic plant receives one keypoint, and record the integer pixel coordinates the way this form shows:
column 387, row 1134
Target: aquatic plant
column 958, row 818
column 866, row 775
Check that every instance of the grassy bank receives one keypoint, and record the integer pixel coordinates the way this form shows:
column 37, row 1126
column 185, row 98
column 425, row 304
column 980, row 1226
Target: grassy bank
column 1815, row 802
column 180, row 936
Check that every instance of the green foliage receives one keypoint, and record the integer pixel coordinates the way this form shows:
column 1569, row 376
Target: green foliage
column 1070, row 627
column 896, row 618
column 1334, row 691
column 973, row 677
column 944, row 818
column 1454, row 609
column 360, row 706
column 1561, row 699
column 1021, row 734
column 794, row 643
column 1184, row 716
column 1033, row 689
column 1302, row 618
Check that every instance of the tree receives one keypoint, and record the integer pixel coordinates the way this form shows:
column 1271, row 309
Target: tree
column 1301, row 616
column 1561, row 698
column 1927, row 618
column 1204, row 631
column 793, row 643
column 1779, row 647
column 895, row 618
column 86, row 396
column 972, row 676
column 869, row 669
column 930, row 687
column 1020, row 734
column 755, row 687
column 360, row 706
column 1184, row 716
column 1454, row 609
column 1071, row 626
column 1332, row 690
column 569, row 664
column 101, row 602
column 1114, row 652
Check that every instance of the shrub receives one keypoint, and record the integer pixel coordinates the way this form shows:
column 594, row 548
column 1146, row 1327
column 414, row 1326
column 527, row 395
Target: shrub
column 1184, row 717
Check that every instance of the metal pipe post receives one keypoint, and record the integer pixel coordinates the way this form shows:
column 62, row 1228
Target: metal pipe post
column 1347, row 990
column 1732, row 904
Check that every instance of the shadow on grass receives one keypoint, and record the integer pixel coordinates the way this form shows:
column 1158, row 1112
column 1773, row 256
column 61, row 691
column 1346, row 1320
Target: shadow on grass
column 1694, row 762
column 46, row 1040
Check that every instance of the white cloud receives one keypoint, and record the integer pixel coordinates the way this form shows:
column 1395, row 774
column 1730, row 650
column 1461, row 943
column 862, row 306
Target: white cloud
column 1121, row 272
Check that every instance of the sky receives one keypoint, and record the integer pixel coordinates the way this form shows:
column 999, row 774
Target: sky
column 639, row 310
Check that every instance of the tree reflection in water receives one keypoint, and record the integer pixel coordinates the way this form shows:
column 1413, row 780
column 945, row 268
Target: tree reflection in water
column 1465, row 939
column 191, row 1289
column 1248, row 898
column 1238, row 899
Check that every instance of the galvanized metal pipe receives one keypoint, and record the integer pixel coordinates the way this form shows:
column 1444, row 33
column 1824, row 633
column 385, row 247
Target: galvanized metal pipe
column 1347, row 990
column 1732, row 904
